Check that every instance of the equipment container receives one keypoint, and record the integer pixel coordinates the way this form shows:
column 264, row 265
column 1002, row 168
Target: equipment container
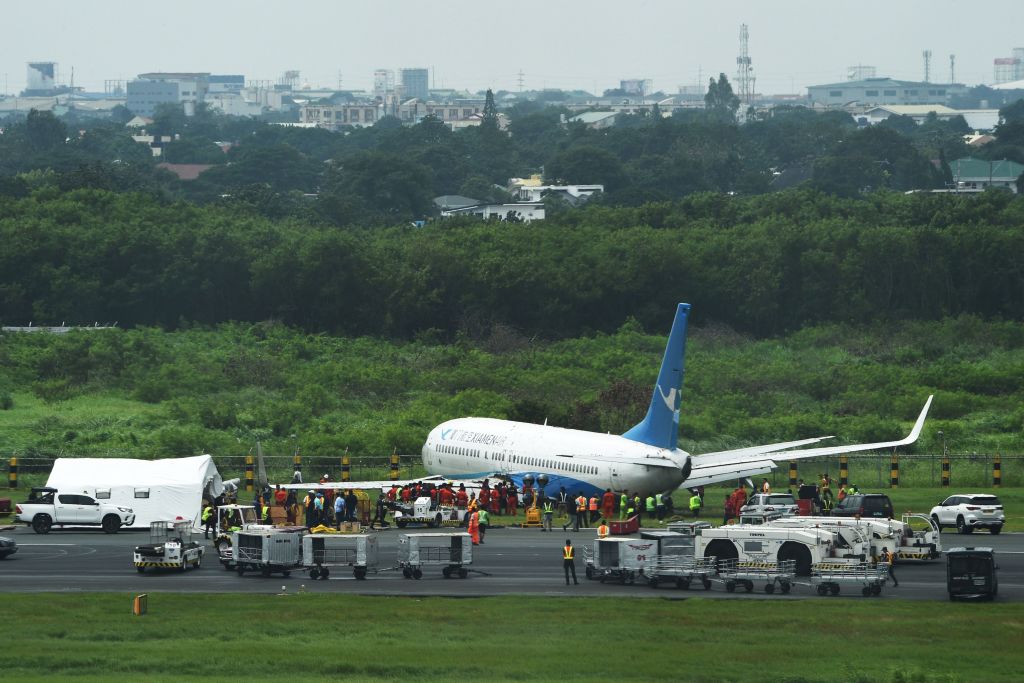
column 453, row 552
column 971, row 573
column 266, row 550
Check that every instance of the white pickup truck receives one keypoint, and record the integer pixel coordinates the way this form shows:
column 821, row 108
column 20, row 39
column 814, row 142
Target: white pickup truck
column 48, row 507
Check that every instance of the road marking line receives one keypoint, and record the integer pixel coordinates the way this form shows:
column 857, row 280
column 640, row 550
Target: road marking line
column 43, row 545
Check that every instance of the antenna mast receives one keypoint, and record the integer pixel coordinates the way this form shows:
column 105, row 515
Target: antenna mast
column 927, row 54
column 744, row 70
column 952, row 68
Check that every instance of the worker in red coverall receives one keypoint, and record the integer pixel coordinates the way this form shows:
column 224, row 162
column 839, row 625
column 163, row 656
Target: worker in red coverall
column 608, row 504
column 461, row 499
column 512, row 501
column 485, row 498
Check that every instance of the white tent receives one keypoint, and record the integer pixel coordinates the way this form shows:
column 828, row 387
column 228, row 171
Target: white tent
column 154, row 489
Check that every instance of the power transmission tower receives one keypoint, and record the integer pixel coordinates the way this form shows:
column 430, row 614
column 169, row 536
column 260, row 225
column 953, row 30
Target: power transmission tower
column 744, row 70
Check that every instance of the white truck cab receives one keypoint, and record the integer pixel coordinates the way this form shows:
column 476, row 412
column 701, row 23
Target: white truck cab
column 48, row 507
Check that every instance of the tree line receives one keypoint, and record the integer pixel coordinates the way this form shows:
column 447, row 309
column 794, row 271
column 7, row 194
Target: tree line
column 762, row 265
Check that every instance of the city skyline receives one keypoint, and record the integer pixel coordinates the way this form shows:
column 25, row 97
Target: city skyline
column 792, row 45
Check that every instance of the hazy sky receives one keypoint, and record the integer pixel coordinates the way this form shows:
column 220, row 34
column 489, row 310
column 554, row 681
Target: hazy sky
column 477, row 44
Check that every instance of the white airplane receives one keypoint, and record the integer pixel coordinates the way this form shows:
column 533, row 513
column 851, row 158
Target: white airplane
column 646, row 459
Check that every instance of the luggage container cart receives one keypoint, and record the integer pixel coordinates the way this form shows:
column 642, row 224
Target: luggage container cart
column 621, row 559
column 828, row 577
column 453, row 552
column 321, row 552
column 267, row 551
column 747, row 573
column 683, row 570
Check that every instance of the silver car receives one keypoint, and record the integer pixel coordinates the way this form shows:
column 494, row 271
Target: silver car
column 7, row 547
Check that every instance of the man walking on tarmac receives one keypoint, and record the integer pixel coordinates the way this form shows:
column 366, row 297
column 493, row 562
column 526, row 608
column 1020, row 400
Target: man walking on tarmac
column 569, row 562
column 549, row 511
column 209, row 519
column 890, row 557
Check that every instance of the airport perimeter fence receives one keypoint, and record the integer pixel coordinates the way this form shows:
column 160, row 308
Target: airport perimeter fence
column 865, row 470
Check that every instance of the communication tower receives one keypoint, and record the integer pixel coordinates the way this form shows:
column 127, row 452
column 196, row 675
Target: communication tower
column 744, row 69
column 927, row 54
column 952, row 68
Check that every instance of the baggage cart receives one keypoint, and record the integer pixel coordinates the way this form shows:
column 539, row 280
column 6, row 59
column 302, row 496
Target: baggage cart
column 170, row 546
column 624, row 527
column 737, row 573
column 684, row 570
column 322, row 552
column 829, row 577
column 266, row 550
column 687, row 528
column 621, row 559
column 670, row 542
column 453, row 552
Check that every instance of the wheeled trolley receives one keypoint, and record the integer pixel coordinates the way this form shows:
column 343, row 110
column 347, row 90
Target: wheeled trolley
column 621, row 559
column 322, row 552
column 268, row 551
column 683, row 570
column 453, row 552
column 746, row 574
column 170, row 546
column 828, row 578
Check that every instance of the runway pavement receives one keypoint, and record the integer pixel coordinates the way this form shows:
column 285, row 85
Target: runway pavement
column 511, row 561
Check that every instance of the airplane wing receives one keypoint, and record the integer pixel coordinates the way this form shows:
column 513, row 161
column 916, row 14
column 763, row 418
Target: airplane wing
column 652, row 461
column 365, row 485
column 745, row 462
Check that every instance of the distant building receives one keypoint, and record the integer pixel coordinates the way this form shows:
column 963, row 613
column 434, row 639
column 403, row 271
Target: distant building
column 153, row 89
column 1006, row 69
column 415, row 83
column 978, row 175
column 221, row 83
column 514, row 212
column 977, row 119
column 595, row 120
column 383, row 83
column 534, row 189
column 637, row 86
column 882, row 91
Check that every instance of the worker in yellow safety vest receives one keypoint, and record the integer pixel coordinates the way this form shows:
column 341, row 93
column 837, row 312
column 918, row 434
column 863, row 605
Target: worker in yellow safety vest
column 623, row 504
column 602, row 531
column 695, row 504
column 569, row 562
column 581, row 512
column 208, row 520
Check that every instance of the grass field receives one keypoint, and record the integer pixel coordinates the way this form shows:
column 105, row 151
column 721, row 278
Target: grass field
column 262, row 637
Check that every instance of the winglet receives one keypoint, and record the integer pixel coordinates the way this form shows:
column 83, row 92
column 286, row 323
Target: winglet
column 916, row 431
column 661, row 426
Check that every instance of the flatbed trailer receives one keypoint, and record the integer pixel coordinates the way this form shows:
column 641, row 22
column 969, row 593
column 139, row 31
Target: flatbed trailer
column 829, row 577
column 683, row 570
column 739, row 573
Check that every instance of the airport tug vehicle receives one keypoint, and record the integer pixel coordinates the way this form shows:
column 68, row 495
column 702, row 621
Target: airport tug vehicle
column 170, row 547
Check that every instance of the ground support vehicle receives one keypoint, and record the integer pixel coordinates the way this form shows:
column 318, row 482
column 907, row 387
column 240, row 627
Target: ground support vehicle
column 268, row 551
column 47, row 507
column 971, row 573
column 170, row 547
column 921, row 544
column 765, row 543
column 669, row 542
column 769, row 574
column 452, row 551
column 687, row 528
column 322, row 552
column 829, row 577
column 232, row 518
column 622, row 559
column 857, row 540
column 782, row 503
column 422, row 512
column 684, row 570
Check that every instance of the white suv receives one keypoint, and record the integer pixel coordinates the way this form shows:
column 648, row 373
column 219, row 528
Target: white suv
column 969, row 511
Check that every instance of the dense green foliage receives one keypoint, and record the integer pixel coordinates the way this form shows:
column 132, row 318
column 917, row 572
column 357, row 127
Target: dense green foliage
column 425, row 638
column 763, row 264
column 145, row 392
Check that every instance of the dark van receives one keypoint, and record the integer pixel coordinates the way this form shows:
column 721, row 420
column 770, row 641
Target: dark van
column 971, row 573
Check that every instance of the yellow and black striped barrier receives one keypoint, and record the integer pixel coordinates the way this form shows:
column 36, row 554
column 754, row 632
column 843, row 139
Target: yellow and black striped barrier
column 844, row 470
column 894, row 471
column 12, row 473
column 997, row 472
column 249, row 474
column 171, row 565
column 792, row 472
column 346, row 467
column 394, row 465
column 945, row 471
column 757, row 565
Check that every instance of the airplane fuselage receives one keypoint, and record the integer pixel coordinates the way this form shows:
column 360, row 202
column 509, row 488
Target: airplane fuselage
column 580, row 461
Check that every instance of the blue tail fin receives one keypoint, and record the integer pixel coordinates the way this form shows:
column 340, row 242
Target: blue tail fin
column 661, row 426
